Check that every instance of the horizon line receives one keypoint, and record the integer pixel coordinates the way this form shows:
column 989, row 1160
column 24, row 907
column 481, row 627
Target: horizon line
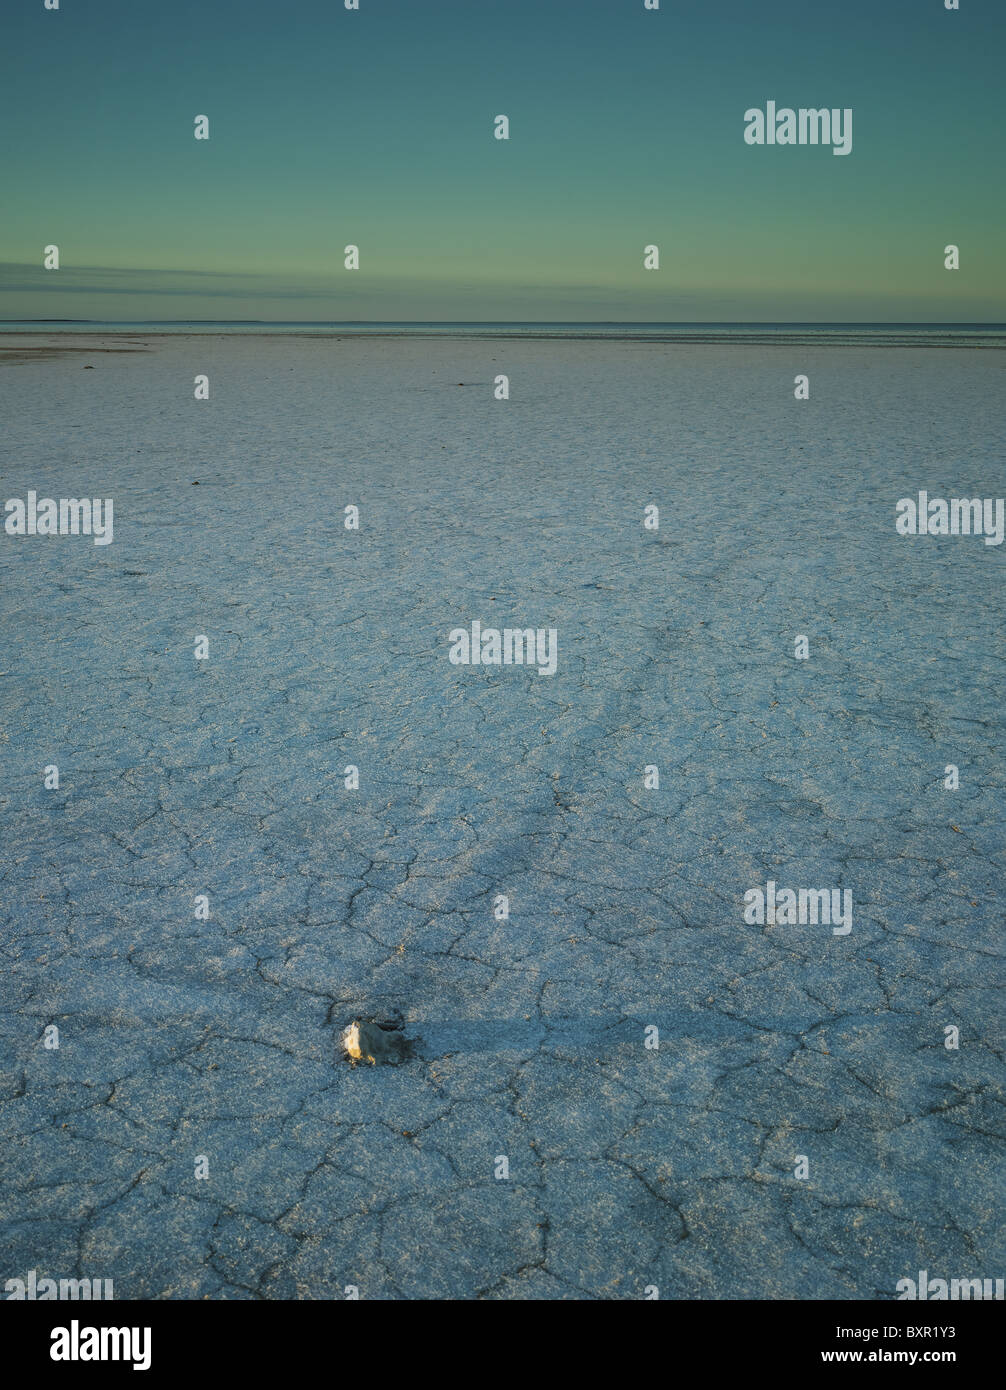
column 552, row 323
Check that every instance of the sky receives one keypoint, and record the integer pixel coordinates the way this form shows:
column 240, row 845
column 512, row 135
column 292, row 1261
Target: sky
column 375, row 127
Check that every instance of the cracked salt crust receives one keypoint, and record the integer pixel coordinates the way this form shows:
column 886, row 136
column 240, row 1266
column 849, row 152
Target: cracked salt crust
column 628, row 1167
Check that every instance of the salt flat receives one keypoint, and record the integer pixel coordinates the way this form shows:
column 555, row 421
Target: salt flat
column 629, row 1166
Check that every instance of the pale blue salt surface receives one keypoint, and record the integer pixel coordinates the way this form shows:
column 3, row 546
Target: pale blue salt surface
column 628, row 1167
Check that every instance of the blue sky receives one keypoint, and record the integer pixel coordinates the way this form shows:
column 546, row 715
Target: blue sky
column 330, row 127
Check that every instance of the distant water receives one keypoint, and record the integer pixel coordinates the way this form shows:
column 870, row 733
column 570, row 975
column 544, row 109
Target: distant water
column 834, row 334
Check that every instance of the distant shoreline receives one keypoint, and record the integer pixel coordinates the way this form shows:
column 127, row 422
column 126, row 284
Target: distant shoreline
column 957, row 335
column 382, row 325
